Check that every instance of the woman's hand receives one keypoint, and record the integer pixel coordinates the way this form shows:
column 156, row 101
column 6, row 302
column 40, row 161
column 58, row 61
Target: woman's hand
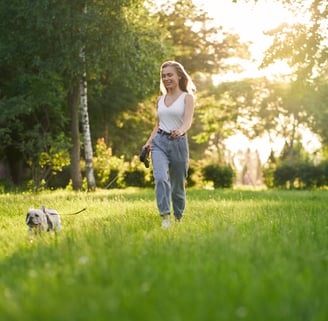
column 175, row 133
column 147, row 146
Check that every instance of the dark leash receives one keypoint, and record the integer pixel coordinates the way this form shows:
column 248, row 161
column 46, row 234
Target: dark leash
column 48, row 211
column 111, row 182
column 78, row 212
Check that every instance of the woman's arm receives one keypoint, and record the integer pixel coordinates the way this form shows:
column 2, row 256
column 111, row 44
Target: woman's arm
column 152, row 135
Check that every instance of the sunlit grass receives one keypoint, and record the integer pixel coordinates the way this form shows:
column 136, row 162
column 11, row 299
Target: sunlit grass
column 238, row 255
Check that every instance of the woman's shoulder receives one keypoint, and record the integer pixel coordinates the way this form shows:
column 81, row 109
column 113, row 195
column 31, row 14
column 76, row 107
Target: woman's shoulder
column 189, row 97
column 159, row 98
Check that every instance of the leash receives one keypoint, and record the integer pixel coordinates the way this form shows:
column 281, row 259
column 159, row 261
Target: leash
column 44, row 210
column 111, row 182
column 78, row 212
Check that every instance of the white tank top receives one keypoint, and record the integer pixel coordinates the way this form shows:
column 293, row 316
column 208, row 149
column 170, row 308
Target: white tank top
column 171, row 117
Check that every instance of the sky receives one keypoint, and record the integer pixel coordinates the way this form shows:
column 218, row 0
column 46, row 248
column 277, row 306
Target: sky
column 250, row 20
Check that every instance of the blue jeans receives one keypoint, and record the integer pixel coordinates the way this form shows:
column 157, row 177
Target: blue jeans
column 170, row 167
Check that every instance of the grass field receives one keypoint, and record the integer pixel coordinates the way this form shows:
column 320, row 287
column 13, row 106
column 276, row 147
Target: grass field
column 237, row 255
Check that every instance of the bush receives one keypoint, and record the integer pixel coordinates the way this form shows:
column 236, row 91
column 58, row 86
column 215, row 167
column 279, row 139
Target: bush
column 108, row 169
column 285, row 175
column 7, row 186
column 268, row 175
column 308, row 175
column 60, row 179
column 301, row 175
column 190, row 181
column 135, row 178
column 323, row 174
column 221, row 176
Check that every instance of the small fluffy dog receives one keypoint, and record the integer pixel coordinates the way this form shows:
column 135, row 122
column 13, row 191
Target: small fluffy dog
column 43, row 219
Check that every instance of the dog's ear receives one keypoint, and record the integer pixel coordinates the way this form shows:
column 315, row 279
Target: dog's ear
column 27, row 217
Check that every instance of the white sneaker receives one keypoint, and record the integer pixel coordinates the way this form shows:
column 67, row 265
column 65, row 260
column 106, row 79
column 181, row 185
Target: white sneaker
column 165, row 223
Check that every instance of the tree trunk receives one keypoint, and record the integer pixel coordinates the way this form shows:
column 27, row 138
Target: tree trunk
column 88, row 152
column 75, row 135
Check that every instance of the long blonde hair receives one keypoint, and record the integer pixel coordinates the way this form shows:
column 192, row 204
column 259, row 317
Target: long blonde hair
column 185, row 82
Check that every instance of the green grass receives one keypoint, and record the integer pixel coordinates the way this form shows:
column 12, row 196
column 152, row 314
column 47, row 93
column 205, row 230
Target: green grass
column 238, row 255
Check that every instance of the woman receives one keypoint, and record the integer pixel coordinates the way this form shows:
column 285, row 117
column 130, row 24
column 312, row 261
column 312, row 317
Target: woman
column 168, row 141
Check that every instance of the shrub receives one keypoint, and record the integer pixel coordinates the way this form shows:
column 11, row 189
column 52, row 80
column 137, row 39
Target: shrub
column 60, row 179
column 108, row 168
column 6, row 186
column 135, row 178
column 302, row 175
column 285, row 175
column 221, row 176
column 308, row 175
column 323, row 174
column 190, row 180
column 268, row 175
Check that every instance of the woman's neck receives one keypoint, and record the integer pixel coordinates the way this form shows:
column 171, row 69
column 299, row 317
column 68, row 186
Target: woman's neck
column 174, row 91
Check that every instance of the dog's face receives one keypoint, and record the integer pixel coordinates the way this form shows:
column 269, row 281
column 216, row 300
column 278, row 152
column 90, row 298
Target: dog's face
column 36, row 220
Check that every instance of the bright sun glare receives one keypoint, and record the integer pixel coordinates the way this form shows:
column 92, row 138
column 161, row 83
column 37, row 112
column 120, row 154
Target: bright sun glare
column 250, row 20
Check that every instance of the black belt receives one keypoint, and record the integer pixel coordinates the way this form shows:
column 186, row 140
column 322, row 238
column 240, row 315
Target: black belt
column 162, row 132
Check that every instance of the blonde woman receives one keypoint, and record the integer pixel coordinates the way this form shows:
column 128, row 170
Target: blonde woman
column 168, row 141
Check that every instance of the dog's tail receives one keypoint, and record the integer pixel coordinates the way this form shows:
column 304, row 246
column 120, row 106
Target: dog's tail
column 78, row 212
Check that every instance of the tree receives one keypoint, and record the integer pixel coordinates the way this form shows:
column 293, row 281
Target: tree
column 88, row 151
column 40, row 56
column 197, row 43
column 119, row 96
column 86, row 130
column 304, row 47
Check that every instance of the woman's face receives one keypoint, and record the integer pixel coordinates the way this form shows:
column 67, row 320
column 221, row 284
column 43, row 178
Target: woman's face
column 170, row 77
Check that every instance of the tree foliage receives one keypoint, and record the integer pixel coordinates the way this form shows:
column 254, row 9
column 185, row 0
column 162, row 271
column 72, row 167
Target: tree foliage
column 304, row 47
column 125, row 43
column 40, row 67
column 198, row 44
column 303, row 44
